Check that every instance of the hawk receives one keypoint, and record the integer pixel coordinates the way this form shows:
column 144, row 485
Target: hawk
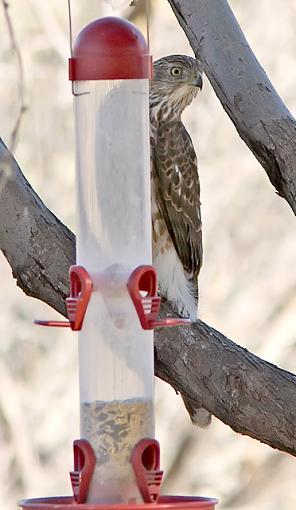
column 176, row 219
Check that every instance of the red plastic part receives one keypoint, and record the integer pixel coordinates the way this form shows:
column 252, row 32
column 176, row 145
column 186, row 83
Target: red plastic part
column 145, row 460
column 164, row 503
column 144, row 279
column 80, row 291
column 53, row 324
column 110, row 49
column 84, row 465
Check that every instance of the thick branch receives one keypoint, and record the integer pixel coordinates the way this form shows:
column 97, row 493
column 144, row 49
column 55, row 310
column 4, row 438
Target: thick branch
column 38, row 247
column 250, row 395
column 247, row 393
column 258, row 113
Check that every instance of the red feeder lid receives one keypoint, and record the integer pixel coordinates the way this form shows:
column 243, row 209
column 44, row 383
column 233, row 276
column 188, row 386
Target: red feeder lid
column 110, row 49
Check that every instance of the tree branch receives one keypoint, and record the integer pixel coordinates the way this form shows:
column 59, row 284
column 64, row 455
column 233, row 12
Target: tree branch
column 248, row 394
column 252, row 396
column 38, row 247
column 258, row 113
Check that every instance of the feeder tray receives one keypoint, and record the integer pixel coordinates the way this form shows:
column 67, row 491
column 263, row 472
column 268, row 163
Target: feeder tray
column 145, row 460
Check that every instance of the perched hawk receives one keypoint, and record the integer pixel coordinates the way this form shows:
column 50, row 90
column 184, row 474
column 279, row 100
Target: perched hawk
column 176, row 220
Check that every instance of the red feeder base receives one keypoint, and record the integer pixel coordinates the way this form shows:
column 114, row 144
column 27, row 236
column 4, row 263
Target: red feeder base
column 145, row 462
column 164, row 503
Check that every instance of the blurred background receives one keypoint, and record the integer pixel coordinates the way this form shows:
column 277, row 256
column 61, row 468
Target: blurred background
column 248, row 280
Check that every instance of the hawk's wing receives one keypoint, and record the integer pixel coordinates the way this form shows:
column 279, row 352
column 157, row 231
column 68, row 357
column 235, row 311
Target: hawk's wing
column 174, row 167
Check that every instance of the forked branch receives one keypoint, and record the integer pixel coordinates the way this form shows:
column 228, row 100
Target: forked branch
column 245, row 392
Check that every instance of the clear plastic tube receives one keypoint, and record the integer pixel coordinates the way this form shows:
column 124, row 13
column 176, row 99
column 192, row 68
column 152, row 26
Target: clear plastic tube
column 113, row 238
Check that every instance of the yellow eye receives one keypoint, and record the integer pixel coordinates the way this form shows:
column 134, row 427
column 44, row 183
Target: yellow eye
column 176, row 71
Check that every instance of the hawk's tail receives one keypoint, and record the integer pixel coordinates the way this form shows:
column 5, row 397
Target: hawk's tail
column 198, row 415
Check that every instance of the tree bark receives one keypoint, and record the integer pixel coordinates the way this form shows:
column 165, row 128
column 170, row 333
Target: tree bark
column 252, row 396
column 248, row 97
column 38, row 247
column 248, row 394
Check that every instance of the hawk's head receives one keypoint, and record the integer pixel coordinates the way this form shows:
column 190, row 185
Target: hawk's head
column 176, row 81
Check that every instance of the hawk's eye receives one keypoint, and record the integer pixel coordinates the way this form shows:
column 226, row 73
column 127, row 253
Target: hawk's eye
column 176, row 71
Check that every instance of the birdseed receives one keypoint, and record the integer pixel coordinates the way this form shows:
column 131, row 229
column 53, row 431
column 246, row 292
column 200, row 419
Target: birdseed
column 113, row 429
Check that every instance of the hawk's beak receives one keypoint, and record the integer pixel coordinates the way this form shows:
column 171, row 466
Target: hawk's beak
column 197, row 81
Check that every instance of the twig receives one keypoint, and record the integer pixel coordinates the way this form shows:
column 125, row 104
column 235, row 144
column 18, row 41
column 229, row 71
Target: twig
column 15, row 48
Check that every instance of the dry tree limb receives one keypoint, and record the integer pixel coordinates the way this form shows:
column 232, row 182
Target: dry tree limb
column 247, row 393
column 248, row 97
column 38, row 247
column 252, row 396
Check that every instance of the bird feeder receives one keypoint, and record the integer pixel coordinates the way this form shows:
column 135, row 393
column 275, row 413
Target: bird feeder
column 113, row 301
